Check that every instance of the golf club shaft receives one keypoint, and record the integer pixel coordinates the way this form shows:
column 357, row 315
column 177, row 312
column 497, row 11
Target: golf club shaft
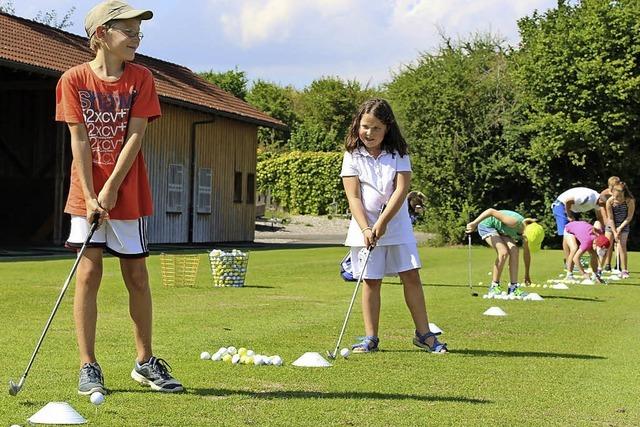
column 353, row 298
column 94, row 227
column 469, row 261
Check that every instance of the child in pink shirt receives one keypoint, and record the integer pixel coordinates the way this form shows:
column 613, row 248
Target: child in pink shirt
column 581, row 237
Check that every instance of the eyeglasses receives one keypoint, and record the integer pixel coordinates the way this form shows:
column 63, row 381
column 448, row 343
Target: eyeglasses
column 129, row 33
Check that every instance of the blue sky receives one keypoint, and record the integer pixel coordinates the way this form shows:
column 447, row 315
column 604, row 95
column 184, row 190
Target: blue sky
column 296, row 41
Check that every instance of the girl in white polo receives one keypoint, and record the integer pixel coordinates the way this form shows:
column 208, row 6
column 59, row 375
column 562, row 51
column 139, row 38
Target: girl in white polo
column 376, row 173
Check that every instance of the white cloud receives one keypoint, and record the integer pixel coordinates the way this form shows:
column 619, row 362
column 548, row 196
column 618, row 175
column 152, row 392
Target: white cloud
column 256, row 22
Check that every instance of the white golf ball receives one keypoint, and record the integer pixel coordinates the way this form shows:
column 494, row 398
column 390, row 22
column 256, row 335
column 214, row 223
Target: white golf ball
column 267, row 360
column 97, row 398
column 231, row 350
column 217, row 356
column 205, row 355
column 345, row 352
column 257, row 360
column 276, row 360
column 222, row 350
column 235, row 359
column 250, row 353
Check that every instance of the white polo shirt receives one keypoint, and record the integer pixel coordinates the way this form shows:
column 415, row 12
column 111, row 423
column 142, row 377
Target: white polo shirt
column 585, row 199
column 376, row 176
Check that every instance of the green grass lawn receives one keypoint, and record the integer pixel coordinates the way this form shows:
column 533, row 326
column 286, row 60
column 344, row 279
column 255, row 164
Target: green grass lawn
column 569, row 360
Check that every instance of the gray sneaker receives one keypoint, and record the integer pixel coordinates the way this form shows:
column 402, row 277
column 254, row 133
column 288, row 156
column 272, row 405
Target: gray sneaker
column 155, row 373
column 91, row 379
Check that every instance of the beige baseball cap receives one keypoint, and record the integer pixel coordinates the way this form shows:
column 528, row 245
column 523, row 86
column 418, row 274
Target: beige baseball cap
column 109, row 10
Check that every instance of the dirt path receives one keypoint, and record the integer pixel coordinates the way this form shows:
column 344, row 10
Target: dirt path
column 308, row 229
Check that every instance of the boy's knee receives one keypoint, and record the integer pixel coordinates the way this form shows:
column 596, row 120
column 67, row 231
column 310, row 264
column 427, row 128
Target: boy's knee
column 89, row 275
column 136, row 277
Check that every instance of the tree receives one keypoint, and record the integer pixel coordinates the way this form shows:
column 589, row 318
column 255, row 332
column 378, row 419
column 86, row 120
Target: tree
column 310, row 136
column 50, row 18
column 453, row 106
column 579, row 106
column 277, row 101
column 329, row 104
column 7, row 7
column 233, row 81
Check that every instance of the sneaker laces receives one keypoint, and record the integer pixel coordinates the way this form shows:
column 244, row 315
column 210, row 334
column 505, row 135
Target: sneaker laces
column 161, row 367
column 92, row 372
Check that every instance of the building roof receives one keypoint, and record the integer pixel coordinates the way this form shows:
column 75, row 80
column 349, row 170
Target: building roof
column 43, row 49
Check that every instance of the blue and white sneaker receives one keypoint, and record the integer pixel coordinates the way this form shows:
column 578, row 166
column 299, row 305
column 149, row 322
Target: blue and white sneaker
column 155, row 374
column 91, row 379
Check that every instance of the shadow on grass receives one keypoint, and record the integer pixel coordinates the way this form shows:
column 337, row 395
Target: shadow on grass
column 573, row 298
column 612, row 283
column 500, row 353
column 431, row 284
column 301, row 394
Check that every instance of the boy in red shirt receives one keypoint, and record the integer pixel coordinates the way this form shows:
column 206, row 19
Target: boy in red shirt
column 107, row 104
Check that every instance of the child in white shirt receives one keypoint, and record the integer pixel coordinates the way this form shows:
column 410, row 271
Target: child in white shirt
column 376, row 173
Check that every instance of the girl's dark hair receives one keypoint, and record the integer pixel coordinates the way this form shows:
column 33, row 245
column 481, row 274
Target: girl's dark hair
column 625, row 190
column 380, row 108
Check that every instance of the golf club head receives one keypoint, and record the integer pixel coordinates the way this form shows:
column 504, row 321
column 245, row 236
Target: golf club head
column 14, row 388
column 331, row 355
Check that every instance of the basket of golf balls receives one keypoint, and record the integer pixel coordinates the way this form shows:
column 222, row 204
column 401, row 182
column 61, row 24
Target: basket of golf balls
column 228, row 268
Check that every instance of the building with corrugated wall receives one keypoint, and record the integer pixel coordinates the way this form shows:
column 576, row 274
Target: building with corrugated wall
column 201, row 155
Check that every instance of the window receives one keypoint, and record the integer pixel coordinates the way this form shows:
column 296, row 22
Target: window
column 204, row 190
column 175, row 188
column 251, row 188
column 237, row 187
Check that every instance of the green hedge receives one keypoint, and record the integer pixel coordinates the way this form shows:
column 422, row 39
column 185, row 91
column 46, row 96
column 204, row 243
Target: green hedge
column 304, row 182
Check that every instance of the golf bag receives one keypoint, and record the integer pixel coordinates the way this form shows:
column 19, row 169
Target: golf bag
column 346, row 268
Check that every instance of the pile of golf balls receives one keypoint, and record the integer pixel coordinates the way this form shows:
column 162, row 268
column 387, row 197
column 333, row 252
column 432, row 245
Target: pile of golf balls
column 241, row 356
column 228, row 268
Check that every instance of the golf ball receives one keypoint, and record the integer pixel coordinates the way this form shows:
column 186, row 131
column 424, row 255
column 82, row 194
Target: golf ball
column 227, row 358
column 242, row 351
column 257, row 360
column 276, row 360
column 235, row 359
column 205, row 355
column 231, row 350
column 345, row 352
column 217, row 356
column 250, row 353
column 97, row 398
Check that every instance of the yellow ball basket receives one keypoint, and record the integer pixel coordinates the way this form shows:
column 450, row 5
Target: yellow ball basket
column 228, row 269
column 179, row 270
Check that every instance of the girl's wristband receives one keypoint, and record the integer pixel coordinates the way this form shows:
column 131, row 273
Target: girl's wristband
column 365, row 229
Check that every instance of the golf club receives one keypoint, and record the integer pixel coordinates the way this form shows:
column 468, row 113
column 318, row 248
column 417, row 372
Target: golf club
column 14, row 388
column 333, row 355
column 473, row 294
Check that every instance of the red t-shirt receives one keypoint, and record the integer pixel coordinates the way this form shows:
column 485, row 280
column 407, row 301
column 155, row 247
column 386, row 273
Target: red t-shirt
column 105, row 109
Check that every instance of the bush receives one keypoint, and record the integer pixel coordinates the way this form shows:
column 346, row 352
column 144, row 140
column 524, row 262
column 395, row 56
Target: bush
column 304, row 182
